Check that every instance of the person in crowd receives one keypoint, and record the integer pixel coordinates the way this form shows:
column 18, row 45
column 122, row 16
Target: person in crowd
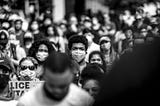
column 53, row 36
column 92, row 46
column 34, row 29
column 97, row 57
column 4, row 53
column 19, row 32
column 78, row 46
column 6, row 98
column 40, row 50
column 106, row 48
column 28, row 41
column 90, row 79
column 58, row 88
column 27, row 69
column 12, row 47
column 133, row 79
column 6, row 72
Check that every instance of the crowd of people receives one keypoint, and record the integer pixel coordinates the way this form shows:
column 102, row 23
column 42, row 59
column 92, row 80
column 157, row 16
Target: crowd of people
column 70, row 56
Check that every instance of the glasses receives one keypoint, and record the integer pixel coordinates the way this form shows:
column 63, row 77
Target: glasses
column 29, row 67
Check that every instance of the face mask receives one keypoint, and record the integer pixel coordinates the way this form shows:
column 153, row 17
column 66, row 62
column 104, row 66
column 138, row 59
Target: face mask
column 78, row 55
column 41, row 56
column 4, row 81
column 106, row 46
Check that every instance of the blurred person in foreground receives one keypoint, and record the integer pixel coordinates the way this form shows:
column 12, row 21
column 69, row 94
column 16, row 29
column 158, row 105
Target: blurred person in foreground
column 58, row 89
column 134, row 80
column 5, row 96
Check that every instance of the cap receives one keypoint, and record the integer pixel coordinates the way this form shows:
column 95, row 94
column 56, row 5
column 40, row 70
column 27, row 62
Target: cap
column 104, row 38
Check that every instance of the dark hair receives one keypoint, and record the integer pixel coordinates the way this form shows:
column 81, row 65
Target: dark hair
column 102, row 57
column 34, row 48
column 54, row 30
column 134, row 78
column 77, row 39
column 58, row 62
column 91, row 71
column 18, row 20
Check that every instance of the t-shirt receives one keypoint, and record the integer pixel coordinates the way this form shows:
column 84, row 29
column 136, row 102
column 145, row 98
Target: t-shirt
column 8, row 103
column 75, row 97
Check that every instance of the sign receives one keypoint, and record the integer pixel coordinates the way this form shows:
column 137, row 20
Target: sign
column 20, row 87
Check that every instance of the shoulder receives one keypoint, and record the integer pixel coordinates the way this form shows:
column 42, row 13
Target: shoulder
column 32, row 95
column 78, row 95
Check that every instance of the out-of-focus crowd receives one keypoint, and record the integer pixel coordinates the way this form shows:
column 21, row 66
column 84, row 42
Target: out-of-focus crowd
column 93, row 41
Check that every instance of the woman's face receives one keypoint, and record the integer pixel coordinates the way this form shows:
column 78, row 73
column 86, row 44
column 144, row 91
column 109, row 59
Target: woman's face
column 105, row 46
column 34, row 26
column 96, row 59
column 92, row 87
column 50, row 31
column 42, row 53
column 27, row 70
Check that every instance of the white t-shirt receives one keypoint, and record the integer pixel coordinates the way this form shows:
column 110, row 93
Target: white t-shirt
column 75, row 97
column 8, row 103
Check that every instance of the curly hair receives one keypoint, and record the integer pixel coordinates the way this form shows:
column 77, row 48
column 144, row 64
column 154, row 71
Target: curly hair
column 91, row 71
column 34, row 48
column 78, row 39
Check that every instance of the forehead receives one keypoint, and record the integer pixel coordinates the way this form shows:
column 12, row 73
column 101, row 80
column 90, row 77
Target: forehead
column 58, row 78
column 27, row 62
column 96, row 56
column 91, row 83
column 78, row 45
column 42, row 46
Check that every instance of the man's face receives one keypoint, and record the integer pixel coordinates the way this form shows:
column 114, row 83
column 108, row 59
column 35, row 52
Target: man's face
column 78, row 52
column 18, row 25
column 57, row 84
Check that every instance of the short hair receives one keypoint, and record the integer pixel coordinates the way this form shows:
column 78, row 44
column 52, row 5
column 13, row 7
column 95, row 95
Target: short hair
column 58, row 62
column 91, row 71
column 77, row 39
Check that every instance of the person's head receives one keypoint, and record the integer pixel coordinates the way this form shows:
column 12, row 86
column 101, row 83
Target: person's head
column 6, row 25
column 90, row 79
column 87, row 23
column 3, row 39
column 34, row 25
column 89, row 36
column 105, row 43
column 5, row 72
column 18, row 24
column 27, row 68
column 58, row 75
column 78, row 46
column 52, row 31
column 28, row 39
column 40, row 50
column 96, row 57
column 47, row 21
